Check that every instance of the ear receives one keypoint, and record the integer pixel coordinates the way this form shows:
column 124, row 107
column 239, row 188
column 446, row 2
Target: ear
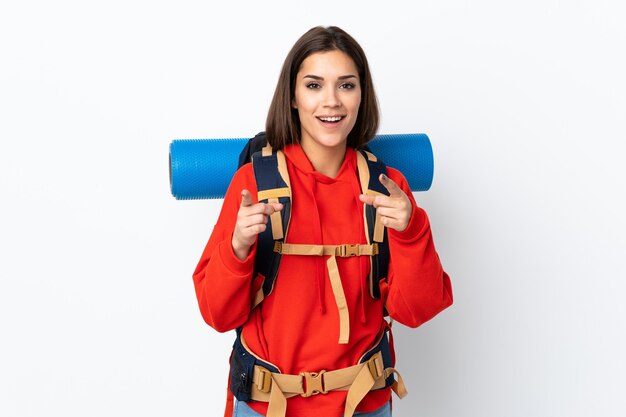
column 293, row 103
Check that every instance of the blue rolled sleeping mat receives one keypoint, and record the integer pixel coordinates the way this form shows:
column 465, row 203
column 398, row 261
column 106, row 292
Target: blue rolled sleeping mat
column 203, row 168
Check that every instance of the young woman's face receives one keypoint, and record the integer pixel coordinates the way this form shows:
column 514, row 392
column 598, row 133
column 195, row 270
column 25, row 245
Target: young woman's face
column 327, row 97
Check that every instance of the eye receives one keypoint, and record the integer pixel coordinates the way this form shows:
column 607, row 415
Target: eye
column 313, row 85
column 347, row 86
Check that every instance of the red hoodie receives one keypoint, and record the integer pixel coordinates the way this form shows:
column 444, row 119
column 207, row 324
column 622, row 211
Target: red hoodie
column 296, row 327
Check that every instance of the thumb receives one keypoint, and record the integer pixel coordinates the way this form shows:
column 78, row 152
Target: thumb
column 246, row 198
column 276, row 206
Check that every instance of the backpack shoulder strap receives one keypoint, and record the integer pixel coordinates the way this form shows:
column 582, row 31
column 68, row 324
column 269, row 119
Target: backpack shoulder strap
column 272, row 179
column 370, row 168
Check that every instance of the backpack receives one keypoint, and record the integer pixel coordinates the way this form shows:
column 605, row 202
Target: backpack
column 252, row 378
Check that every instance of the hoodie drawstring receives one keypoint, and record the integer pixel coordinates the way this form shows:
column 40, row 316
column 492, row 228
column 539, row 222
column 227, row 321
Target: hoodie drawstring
column 319, row 239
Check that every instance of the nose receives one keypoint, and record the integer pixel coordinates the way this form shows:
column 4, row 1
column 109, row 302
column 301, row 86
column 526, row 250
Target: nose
column 331, row 99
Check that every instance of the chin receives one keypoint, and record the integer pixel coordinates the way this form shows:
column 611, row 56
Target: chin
column 332, row 141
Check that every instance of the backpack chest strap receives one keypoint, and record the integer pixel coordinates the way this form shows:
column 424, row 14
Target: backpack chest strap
column 342, row 251
column 332, row 251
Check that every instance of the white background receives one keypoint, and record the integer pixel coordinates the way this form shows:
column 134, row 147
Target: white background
column 524, row 103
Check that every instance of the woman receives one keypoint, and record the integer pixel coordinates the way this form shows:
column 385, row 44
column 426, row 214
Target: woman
column 320, row 317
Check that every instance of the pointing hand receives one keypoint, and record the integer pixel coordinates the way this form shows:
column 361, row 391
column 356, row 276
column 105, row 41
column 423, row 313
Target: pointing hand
column 394, row 210
column 251, row 220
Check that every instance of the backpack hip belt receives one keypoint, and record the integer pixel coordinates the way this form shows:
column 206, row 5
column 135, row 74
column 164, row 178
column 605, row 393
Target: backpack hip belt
column 268, row 384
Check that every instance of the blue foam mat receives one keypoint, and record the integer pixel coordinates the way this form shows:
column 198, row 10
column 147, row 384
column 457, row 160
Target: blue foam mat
column 203, row 168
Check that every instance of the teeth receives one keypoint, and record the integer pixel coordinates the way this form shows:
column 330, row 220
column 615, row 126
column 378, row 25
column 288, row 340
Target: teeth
column 331, row 119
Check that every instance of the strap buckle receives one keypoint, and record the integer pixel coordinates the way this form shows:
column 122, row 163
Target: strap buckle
column 264, row 384
column 375, row 366
column 349, row 250
column 278, row 246
column 313, row 383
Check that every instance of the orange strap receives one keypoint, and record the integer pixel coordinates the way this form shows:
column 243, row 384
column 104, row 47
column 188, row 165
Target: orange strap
column 340, row 300
column 343, row 251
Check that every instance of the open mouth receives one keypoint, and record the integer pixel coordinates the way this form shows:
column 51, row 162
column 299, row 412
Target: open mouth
column 331, row 119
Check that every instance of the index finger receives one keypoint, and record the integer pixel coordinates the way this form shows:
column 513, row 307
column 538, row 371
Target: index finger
column 392, row 187
column 246, row 198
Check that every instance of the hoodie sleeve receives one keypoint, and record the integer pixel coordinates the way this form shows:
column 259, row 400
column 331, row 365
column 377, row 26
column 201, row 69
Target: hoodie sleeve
column 223, row 282
column 417, row 288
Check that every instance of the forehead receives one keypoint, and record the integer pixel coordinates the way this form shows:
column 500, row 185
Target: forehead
column 328, row 64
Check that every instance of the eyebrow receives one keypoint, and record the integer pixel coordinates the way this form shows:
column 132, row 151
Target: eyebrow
column 317, row 77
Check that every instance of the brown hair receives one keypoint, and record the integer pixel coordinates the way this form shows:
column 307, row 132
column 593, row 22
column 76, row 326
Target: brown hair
column 283, row 124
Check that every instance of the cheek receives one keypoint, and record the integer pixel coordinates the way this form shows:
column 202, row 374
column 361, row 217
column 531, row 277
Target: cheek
column 355, row 105
column 354, row 100
column 301, row 116
column 304, row 102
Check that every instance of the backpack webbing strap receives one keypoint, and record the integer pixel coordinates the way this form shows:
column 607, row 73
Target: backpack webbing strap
column 340, row 299
column 370, row 168
column 275, row 193
column 342, row 251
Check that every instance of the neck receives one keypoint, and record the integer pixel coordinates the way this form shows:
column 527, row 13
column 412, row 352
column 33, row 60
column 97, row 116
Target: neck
column 325, row 160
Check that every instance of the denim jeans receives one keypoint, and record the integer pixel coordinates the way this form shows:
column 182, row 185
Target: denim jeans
column 241, row 409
